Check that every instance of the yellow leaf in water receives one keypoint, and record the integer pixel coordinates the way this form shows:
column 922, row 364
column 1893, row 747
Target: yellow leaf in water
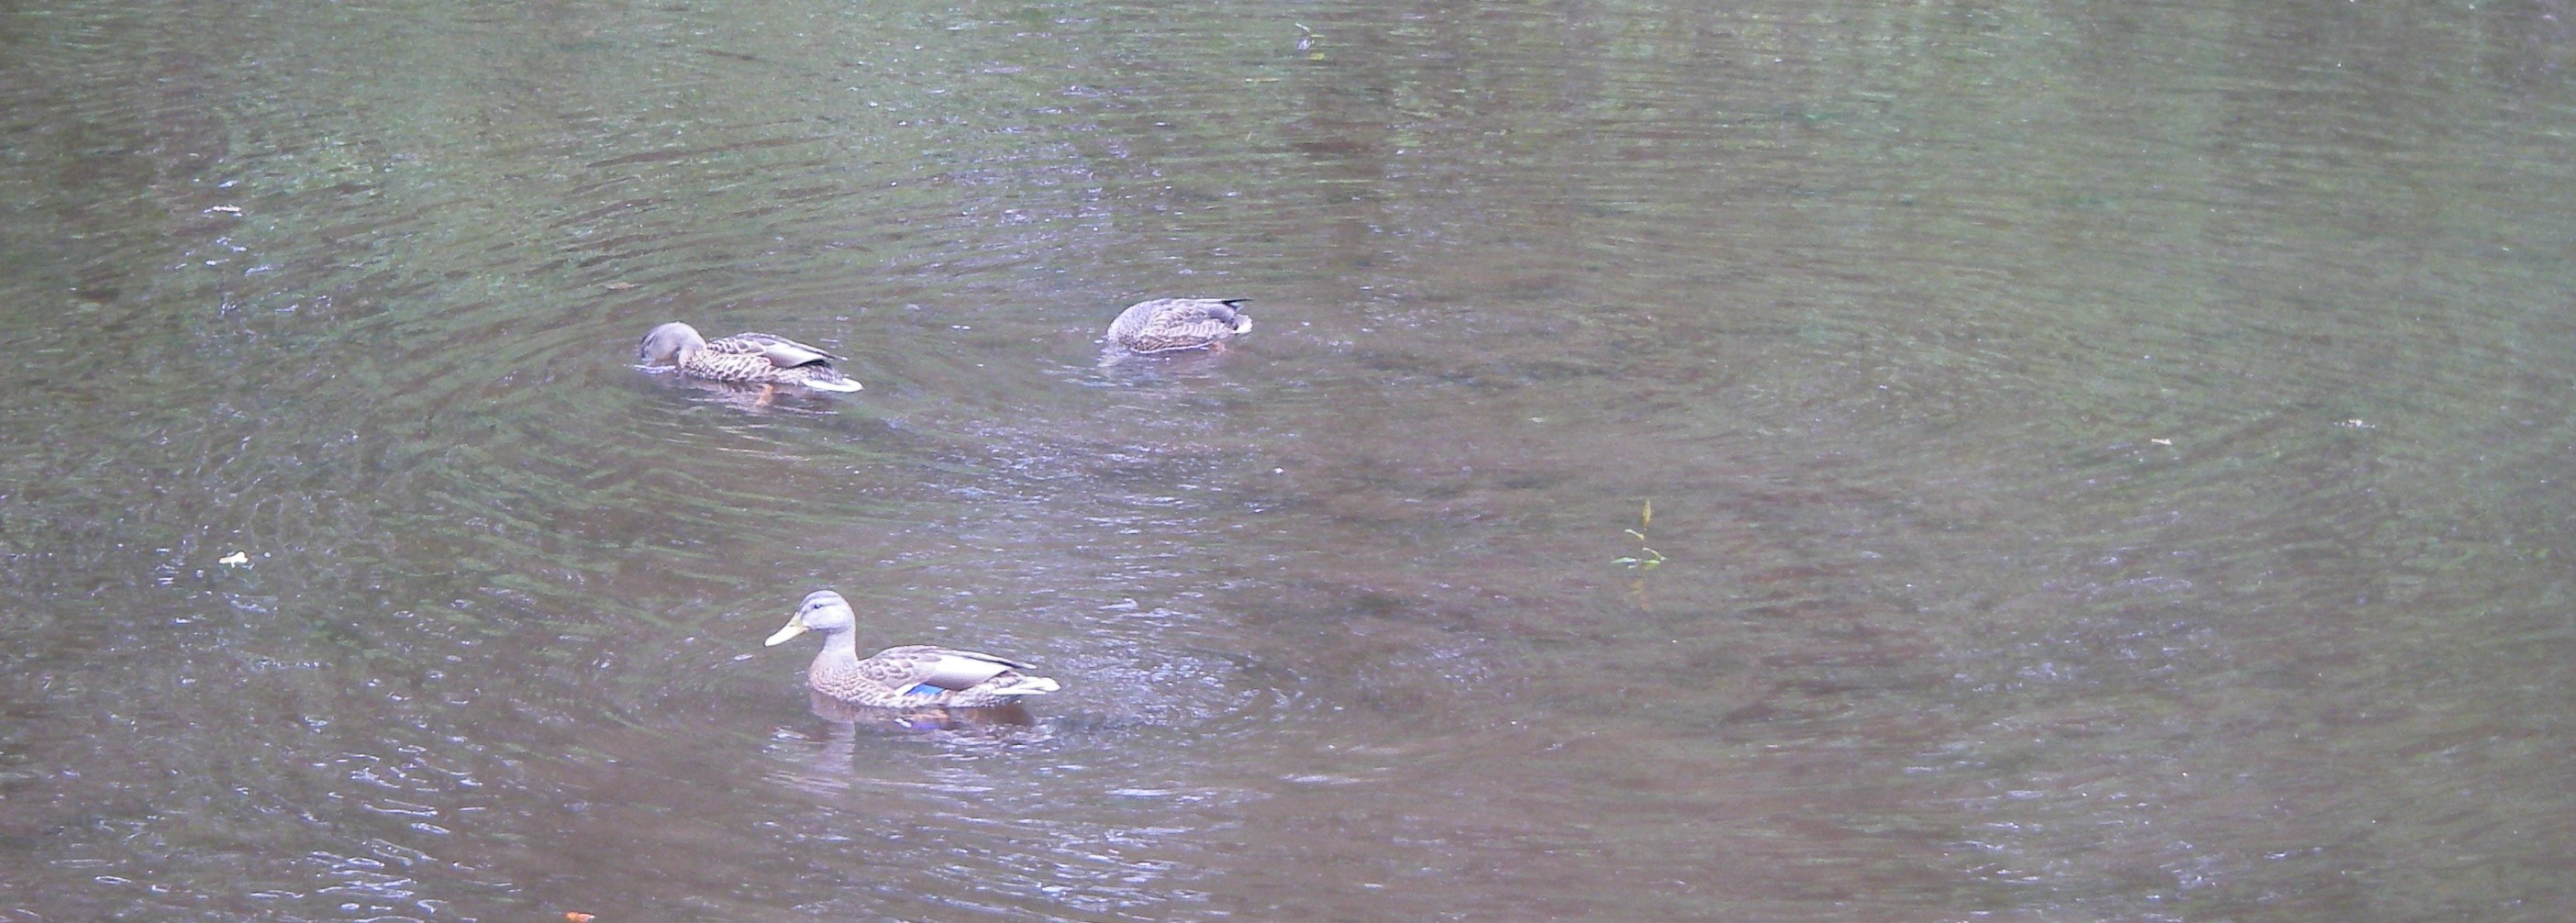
column 1647, row 518
column 235, row 558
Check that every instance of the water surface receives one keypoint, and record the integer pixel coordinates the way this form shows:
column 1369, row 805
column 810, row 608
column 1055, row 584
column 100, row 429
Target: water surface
column 2106, row 461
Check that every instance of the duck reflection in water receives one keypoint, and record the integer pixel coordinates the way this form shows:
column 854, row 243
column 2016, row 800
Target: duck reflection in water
column 1010, row 719
column 752, row 399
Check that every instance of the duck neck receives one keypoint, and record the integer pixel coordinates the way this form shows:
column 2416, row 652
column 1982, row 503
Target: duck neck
column 841, row 646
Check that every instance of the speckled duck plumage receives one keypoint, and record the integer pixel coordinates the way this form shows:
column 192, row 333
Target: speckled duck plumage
column 746, row 358
column 911, row 676
column 1173, row 324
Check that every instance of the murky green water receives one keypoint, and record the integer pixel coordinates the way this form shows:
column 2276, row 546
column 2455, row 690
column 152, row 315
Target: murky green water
column 2108, row 461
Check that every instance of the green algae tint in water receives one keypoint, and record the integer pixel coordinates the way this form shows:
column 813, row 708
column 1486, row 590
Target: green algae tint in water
column 2105, row 461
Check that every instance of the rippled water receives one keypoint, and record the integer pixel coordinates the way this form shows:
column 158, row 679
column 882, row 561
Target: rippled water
column 2106, row 461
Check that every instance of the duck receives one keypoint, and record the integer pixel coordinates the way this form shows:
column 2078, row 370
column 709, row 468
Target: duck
column 908, row 677
column 743, row 358
column 1164, row 325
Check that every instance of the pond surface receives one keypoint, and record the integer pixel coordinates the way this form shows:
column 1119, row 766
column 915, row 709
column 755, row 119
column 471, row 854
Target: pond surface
column 2099, row 461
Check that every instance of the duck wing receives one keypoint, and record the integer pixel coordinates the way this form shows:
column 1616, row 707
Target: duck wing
column 903, row 668
column 780, row 351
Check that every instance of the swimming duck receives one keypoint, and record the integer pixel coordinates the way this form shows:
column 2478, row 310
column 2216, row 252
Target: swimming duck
column 1172, row 324
column 748, row 358
column 912, row 676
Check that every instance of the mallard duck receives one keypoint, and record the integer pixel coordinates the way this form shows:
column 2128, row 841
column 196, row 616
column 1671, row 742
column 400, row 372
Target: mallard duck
column 747, row 358
column 1171, row 324
column 911, row 676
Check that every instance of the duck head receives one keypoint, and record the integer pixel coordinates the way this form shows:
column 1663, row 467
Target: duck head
column 669, row 344
column 823, row 610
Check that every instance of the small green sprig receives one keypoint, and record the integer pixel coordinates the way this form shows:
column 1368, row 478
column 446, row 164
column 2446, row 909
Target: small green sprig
column 1646, row 558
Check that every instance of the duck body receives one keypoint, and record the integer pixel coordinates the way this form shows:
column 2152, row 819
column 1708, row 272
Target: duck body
column 909, row 676
column 743, row 358
column 1165, row 325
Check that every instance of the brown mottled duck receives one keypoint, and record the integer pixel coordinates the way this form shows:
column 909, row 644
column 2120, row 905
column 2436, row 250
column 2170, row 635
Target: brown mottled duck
column 743, row 358
column 1166, row 325
column 911, row 676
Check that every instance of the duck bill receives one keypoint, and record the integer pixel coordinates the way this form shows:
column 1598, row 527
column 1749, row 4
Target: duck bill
column 793, row 629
